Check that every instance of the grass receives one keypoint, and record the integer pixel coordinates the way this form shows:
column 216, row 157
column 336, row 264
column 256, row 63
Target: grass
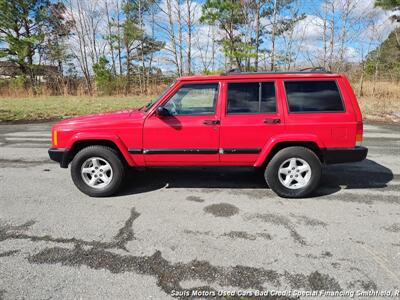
column 380, row 102
column 56, row 107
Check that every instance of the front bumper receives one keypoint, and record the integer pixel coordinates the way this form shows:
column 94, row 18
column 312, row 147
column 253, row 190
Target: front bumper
column 59, row 155
column 344, row 155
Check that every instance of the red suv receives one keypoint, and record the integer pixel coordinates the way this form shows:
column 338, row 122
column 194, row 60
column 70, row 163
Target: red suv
column 286, row 123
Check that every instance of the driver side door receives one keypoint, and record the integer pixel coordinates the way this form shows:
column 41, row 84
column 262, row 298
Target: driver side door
column 189, row 135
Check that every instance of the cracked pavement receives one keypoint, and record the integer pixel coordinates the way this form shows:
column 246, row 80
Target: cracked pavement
column 171, row 230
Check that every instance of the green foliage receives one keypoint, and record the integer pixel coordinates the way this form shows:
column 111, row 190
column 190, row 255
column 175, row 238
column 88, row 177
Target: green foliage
column 18, row 83
column 388, row 4
column 212, row 72
column 386, row 58
column 103, row 76
column 24, row 27
column 58, row 30
column 136, row 41
column 230, row 17
column 393, row 5
column 234, row 17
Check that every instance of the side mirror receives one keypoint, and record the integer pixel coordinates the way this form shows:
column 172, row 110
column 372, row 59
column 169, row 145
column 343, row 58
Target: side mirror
column 162, row 111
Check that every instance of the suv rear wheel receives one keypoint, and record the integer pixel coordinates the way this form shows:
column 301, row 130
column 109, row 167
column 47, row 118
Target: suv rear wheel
column 97, row 171
column 293, row 172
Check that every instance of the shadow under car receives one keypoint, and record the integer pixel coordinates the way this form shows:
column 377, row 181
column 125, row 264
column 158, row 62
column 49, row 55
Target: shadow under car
column 360, row 175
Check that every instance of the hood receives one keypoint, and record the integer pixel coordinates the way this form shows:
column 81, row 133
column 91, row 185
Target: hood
column 104, row 118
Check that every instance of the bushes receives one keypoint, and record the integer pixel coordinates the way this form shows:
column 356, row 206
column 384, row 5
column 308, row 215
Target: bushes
column 104, row 77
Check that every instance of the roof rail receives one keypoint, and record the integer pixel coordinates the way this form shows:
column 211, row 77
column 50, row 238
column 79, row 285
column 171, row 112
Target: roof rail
column 236, row 71
column 315, row 69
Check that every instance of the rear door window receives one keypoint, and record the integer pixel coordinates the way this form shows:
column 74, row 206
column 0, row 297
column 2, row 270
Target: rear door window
column 251, row 98
column 313, row 96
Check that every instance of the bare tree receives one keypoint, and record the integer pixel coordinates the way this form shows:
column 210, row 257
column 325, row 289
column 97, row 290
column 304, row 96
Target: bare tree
column 190, row 8
column 110, row 38
column 169, row 29
column 273, row 35
column 86, row 46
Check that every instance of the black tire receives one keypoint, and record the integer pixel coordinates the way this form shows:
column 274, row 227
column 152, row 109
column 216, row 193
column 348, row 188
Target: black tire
column 106, row 153
column 272, row 176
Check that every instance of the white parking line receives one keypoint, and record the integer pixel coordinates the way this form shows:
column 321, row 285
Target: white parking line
column 30, row 139
column 28, row 134
column 381, row 135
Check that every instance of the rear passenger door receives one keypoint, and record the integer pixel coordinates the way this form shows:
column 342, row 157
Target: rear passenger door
column 251, row 116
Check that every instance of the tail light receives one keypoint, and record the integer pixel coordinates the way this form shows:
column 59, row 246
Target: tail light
column 359, row 133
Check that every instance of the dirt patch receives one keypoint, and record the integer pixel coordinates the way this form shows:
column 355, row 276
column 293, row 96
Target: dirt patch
column 222, row 210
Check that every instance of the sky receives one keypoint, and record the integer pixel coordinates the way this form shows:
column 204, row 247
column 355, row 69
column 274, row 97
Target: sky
column 367, row 27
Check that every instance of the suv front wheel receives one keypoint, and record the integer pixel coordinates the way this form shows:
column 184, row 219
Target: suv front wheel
column 97, row 171
column 293, row 172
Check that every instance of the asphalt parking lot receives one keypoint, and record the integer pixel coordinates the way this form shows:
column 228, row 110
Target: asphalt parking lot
column 171, row 232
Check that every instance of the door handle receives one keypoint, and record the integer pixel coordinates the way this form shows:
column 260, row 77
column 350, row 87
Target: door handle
column 272, row 121
column 211, row 122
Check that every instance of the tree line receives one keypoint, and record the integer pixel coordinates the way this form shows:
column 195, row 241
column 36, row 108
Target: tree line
column 134, row 46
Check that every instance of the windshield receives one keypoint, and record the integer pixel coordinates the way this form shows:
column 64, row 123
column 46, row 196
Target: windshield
column 149, row 105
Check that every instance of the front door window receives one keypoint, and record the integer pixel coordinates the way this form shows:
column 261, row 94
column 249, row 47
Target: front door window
column 193, row 99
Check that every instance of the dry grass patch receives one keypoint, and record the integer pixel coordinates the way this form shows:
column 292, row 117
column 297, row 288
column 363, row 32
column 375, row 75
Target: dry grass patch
column 380, row 101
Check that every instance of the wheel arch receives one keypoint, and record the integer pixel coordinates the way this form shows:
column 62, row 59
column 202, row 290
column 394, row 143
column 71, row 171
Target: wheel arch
column 113, row 143
column 271, row 149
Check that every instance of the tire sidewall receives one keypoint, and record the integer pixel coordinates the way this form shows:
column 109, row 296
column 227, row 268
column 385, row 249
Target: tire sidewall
column 272, row 175
column 105, row 153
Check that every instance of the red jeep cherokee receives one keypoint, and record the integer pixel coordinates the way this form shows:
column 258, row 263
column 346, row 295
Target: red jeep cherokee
column 288, row 123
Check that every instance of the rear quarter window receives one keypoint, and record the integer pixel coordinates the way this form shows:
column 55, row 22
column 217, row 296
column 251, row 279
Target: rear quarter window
column 313, row 96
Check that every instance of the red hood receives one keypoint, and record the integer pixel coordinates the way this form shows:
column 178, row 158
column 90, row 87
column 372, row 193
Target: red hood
column 101, row 118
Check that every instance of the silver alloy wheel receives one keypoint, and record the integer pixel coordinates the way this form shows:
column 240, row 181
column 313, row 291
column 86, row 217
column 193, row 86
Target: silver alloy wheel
column 294, row 173
column 96, row 172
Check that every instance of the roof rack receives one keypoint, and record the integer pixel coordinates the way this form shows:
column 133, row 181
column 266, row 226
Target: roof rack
column 236, row 71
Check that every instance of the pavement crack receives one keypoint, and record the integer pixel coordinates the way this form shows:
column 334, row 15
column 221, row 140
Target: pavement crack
column 9, row 253
column 281, row 221
column 308, row 221
column 170, row 275
column 19, row 163
column 124, row 235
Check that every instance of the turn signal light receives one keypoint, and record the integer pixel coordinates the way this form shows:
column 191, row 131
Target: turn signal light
column 55, row 142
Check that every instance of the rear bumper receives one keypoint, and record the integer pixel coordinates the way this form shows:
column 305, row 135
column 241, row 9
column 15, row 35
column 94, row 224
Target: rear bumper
column 344, row 155
column 59, row 155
